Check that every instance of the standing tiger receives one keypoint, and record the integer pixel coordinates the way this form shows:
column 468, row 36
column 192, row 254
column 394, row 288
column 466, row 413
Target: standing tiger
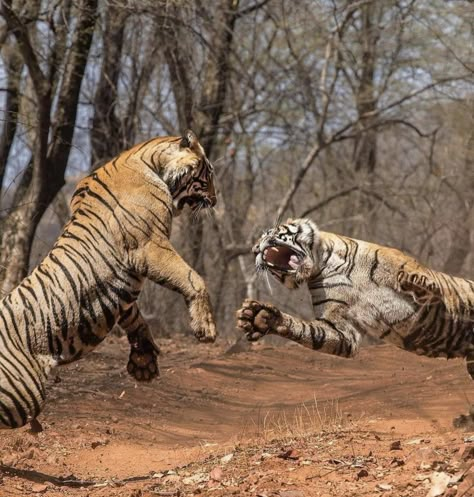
column 356, row 288
column 117, row 237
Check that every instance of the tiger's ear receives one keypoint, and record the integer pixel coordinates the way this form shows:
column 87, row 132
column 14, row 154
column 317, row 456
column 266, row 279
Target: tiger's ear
column 189, row 140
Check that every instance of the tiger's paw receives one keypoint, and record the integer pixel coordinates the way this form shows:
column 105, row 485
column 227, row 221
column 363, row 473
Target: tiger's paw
column 257, row 319
column 202, row 320
column 423, row 290
column 205, row 330
column 207, row 335
column 143, row 360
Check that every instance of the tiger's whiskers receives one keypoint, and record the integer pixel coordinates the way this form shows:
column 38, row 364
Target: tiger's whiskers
column 270, row 289
column 263, row 272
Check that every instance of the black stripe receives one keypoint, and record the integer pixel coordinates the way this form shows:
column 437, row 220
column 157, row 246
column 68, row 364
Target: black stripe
column 327, row 301
column 66, row 272
column 28, row 369
column 374, row 266
column 13, row 322
column 26, row 388
column 165, row 205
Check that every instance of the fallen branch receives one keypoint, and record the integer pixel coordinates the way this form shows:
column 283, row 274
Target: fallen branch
column 67, row 481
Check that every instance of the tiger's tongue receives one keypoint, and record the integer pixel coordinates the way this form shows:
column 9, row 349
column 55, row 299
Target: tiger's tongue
column 293, row 262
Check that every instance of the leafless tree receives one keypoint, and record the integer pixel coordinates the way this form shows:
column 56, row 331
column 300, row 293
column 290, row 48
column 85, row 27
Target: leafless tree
column 55, row 98
column 357, row 114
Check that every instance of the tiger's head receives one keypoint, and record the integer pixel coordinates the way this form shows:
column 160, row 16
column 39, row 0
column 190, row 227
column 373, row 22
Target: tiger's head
column 188, row 173
column 286, row 251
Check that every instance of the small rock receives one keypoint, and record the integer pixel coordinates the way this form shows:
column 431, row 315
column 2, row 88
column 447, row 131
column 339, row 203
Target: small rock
column 415, row 441
column 440, row 483
column 291, row 493
column 171, row 479
column 216, row 474
column 385, row 487
column 451, row 492
column 289, row 454
column 38, row 488
column 426, row 455
column 10, row 460
column 52, row 459
column 98, row 443
column 30, row 454
column 197, row 478
column 362, row 474
column 227, row 458
column 397, row 445
column 421, row 477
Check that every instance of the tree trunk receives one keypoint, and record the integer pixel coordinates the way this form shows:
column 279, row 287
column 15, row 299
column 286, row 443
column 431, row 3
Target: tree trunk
column 106, row 136
column 461, row 240
column 202, row 114
column 13, row 70
column 49, row 161
column 365, row 146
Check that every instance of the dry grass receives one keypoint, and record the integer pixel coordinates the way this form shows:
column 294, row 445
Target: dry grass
column 303, row 422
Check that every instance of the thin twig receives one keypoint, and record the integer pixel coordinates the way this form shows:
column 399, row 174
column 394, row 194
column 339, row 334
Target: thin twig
column 66, row 481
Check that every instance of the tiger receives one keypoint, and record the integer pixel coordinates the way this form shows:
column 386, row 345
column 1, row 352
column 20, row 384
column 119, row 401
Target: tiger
column 116, row 238
column 360, row 288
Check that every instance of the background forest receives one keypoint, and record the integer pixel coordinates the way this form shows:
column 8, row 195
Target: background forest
column 358, row 114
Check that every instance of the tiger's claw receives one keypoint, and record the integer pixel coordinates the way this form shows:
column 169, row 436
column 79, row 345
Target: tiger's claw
column 423, row 290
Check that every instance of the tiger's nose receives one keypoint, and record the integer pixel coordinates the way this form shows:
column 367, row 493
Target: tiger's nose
column 256, row 248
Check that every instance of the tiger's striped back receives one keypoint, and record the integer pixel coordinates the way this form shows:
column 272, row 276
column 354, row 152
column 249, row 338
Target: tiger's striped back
column 392, row 296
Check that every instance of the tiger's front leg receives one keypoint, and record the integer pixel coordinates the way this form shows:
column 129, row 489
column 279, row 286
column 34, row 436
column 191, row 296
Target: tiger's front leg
column 143, row 359
column 163, row 265
column 257, row 319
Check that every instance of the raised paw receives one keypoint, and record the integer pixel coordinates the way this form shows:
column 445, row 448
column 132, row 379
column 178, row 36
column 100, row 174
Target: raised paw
column 257, row 319
column 143, row 360
column 202, row 321
column 205, row 329
column 206, row 335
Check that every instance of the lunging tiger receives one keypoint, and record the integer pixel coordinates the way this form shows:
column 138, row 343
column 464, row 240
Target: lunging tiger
column 117, row 237
column 359, row 287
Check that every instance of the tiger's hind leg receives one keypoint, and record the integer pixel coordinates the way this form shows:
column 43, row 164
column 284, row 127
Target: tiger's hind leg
column 466, row 421
column 143, row 359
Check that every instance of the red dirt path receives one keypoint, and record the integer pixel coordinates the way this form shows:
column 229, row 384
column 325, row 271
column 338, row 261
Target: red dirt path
column 339, row 417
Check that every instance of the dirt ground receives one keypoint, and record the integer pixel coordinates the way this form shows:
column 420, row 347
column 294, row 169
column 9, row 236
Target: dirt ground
column 272, row 421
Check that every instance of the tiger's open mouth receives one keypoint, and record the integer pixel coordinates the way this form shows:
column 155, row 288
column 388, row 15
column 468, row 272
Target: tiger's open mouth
column 195, row 202
column 282, row 258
